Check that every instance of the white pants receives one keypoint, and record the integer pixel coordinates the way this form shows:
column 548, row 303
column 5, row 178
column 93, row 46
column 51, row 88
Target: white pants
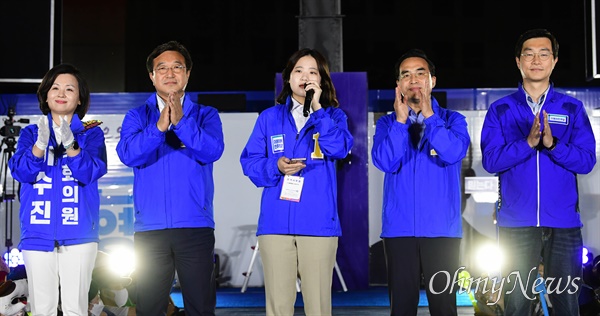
column 69, row 267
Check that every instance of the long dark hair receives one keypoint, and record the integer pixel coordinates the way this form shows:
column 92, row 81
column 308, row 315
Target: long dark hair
column 328, row 97
column 48, row 81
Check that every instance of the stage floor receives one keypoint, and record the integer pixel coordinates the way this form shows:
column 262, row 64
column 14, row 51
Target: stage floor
column 370, row 302
column 337, row 311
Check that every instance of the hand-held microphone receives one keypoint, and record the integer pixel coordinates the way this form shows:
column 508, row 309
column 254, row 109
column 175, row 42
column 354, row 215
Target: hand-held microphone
column 308, row 101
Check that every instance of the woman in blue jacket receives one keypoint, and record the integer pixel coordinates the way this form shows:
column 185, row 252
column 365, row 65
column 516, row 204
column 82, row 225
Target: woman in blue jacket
column 58, row 162
column 292, row 154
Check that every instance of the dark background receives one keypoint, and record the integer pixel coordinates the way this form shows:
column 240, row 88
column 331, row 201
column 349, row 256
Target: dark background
column 240, row 45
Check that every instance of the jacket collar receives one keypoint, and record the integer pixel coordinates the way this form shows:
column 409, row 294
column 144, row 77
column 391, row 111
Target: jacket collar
column 152, row 104
column 435, row 106
column 521, row 95
column 289, row 103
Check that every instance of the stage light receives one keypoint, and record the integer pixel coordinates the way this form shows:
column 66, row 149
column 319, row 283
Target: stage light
column 122, row 261
column 587, row 257
column 13, row 258
column 490, row 259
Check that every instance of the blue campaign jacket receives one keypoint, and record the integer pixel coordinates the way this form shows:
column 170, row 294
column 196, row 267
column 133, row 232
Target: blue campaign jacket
column 422, row 191
column 60, row 203
column 538, row 187
column 275, row 135
column 173, row 171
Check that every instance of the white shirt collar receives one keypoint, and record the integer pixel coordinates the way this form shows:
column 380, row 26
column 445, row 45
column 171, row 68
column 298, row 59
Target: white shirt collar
column 161, row 103
column 297, row 112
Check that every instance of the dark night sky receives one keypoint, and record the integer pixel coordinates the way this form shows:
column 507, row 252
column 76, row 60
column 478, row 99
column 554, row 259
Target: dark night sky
column 240, row 45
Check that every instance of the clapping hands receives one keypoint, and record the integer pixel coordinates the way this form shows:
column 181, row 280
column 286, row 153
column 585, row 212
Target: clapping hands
column 535, row 134
column 63, row 132
column 171, row 114
column 43, row 133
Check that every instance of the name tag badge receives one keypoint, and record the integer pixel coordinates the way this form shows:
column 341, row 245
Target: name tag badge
column 558, row 119
column 277, row 143
column 292, row 188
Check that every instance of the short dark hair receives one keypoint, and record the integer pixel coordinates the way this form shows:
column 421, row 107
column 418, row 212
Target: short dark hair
column 328, row 96
column 48, row 81
column 414, row 53
column 169, row 46
column 535, row 33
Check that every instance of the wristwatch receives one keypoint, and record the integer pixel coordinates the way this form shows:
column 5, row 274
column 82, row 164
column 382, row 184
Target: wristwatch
column 554, row 141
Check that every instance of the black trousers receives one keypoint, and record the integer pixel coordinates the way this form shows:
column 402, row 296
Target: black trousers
column 190, row 252
column 407, row 259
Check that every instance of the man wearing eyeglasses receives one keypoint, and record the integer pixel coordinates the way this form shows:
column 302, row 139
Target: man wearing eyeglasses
column 537, row 140
column 420, row 147
column 171, row 143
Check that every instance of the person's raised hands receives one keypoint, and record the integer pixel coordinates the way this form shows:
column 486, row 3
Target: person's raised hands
column 43, row 133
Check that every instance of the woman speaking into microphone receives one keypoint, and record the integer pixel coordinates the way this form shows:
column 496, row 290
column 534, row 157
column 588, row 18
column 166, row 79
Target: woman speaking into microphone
column 292, row 154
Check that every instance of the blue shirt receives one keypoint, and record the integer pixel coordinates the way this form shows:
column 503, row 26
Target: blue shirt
column 535, row 107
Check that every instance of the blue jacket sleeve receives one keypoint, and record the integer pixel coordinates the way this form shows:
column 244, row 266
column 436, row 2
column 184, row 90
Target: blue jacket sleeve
column 335, row 139
column 256, row 163
column 90, row 164
column 578, row 153
column 449, row 138
column 203, row 138
column 390, row 144
column 24, row 165
column 138, row 140
column 497, row 155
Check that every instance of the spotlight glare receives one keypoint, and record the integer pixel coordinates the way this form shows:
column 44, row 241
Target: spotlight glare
column 13, row 258
column 122, row 261
column 490, row 258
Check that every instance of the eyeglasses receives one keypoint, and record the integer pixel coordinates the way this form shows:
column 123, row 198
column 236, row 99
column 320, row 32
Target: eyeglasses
column 543, row 56
column 421, row 74
column 164, row 69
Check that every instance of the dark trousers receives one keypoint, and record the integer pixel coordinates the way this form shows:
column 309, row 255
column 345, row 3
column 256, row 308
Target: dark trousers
column 560, row 251
column 190, row 252
column 436, row 259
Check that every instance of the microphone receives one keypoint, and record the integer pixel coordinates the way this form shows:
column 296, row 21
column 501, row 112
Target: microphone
column 308, row 101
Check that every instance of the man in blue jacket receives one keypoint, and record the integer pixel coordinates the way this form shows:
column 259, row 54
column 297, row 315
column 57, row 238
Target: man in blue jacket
column 171, row 143
column 420, row 148
column 537, row 140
